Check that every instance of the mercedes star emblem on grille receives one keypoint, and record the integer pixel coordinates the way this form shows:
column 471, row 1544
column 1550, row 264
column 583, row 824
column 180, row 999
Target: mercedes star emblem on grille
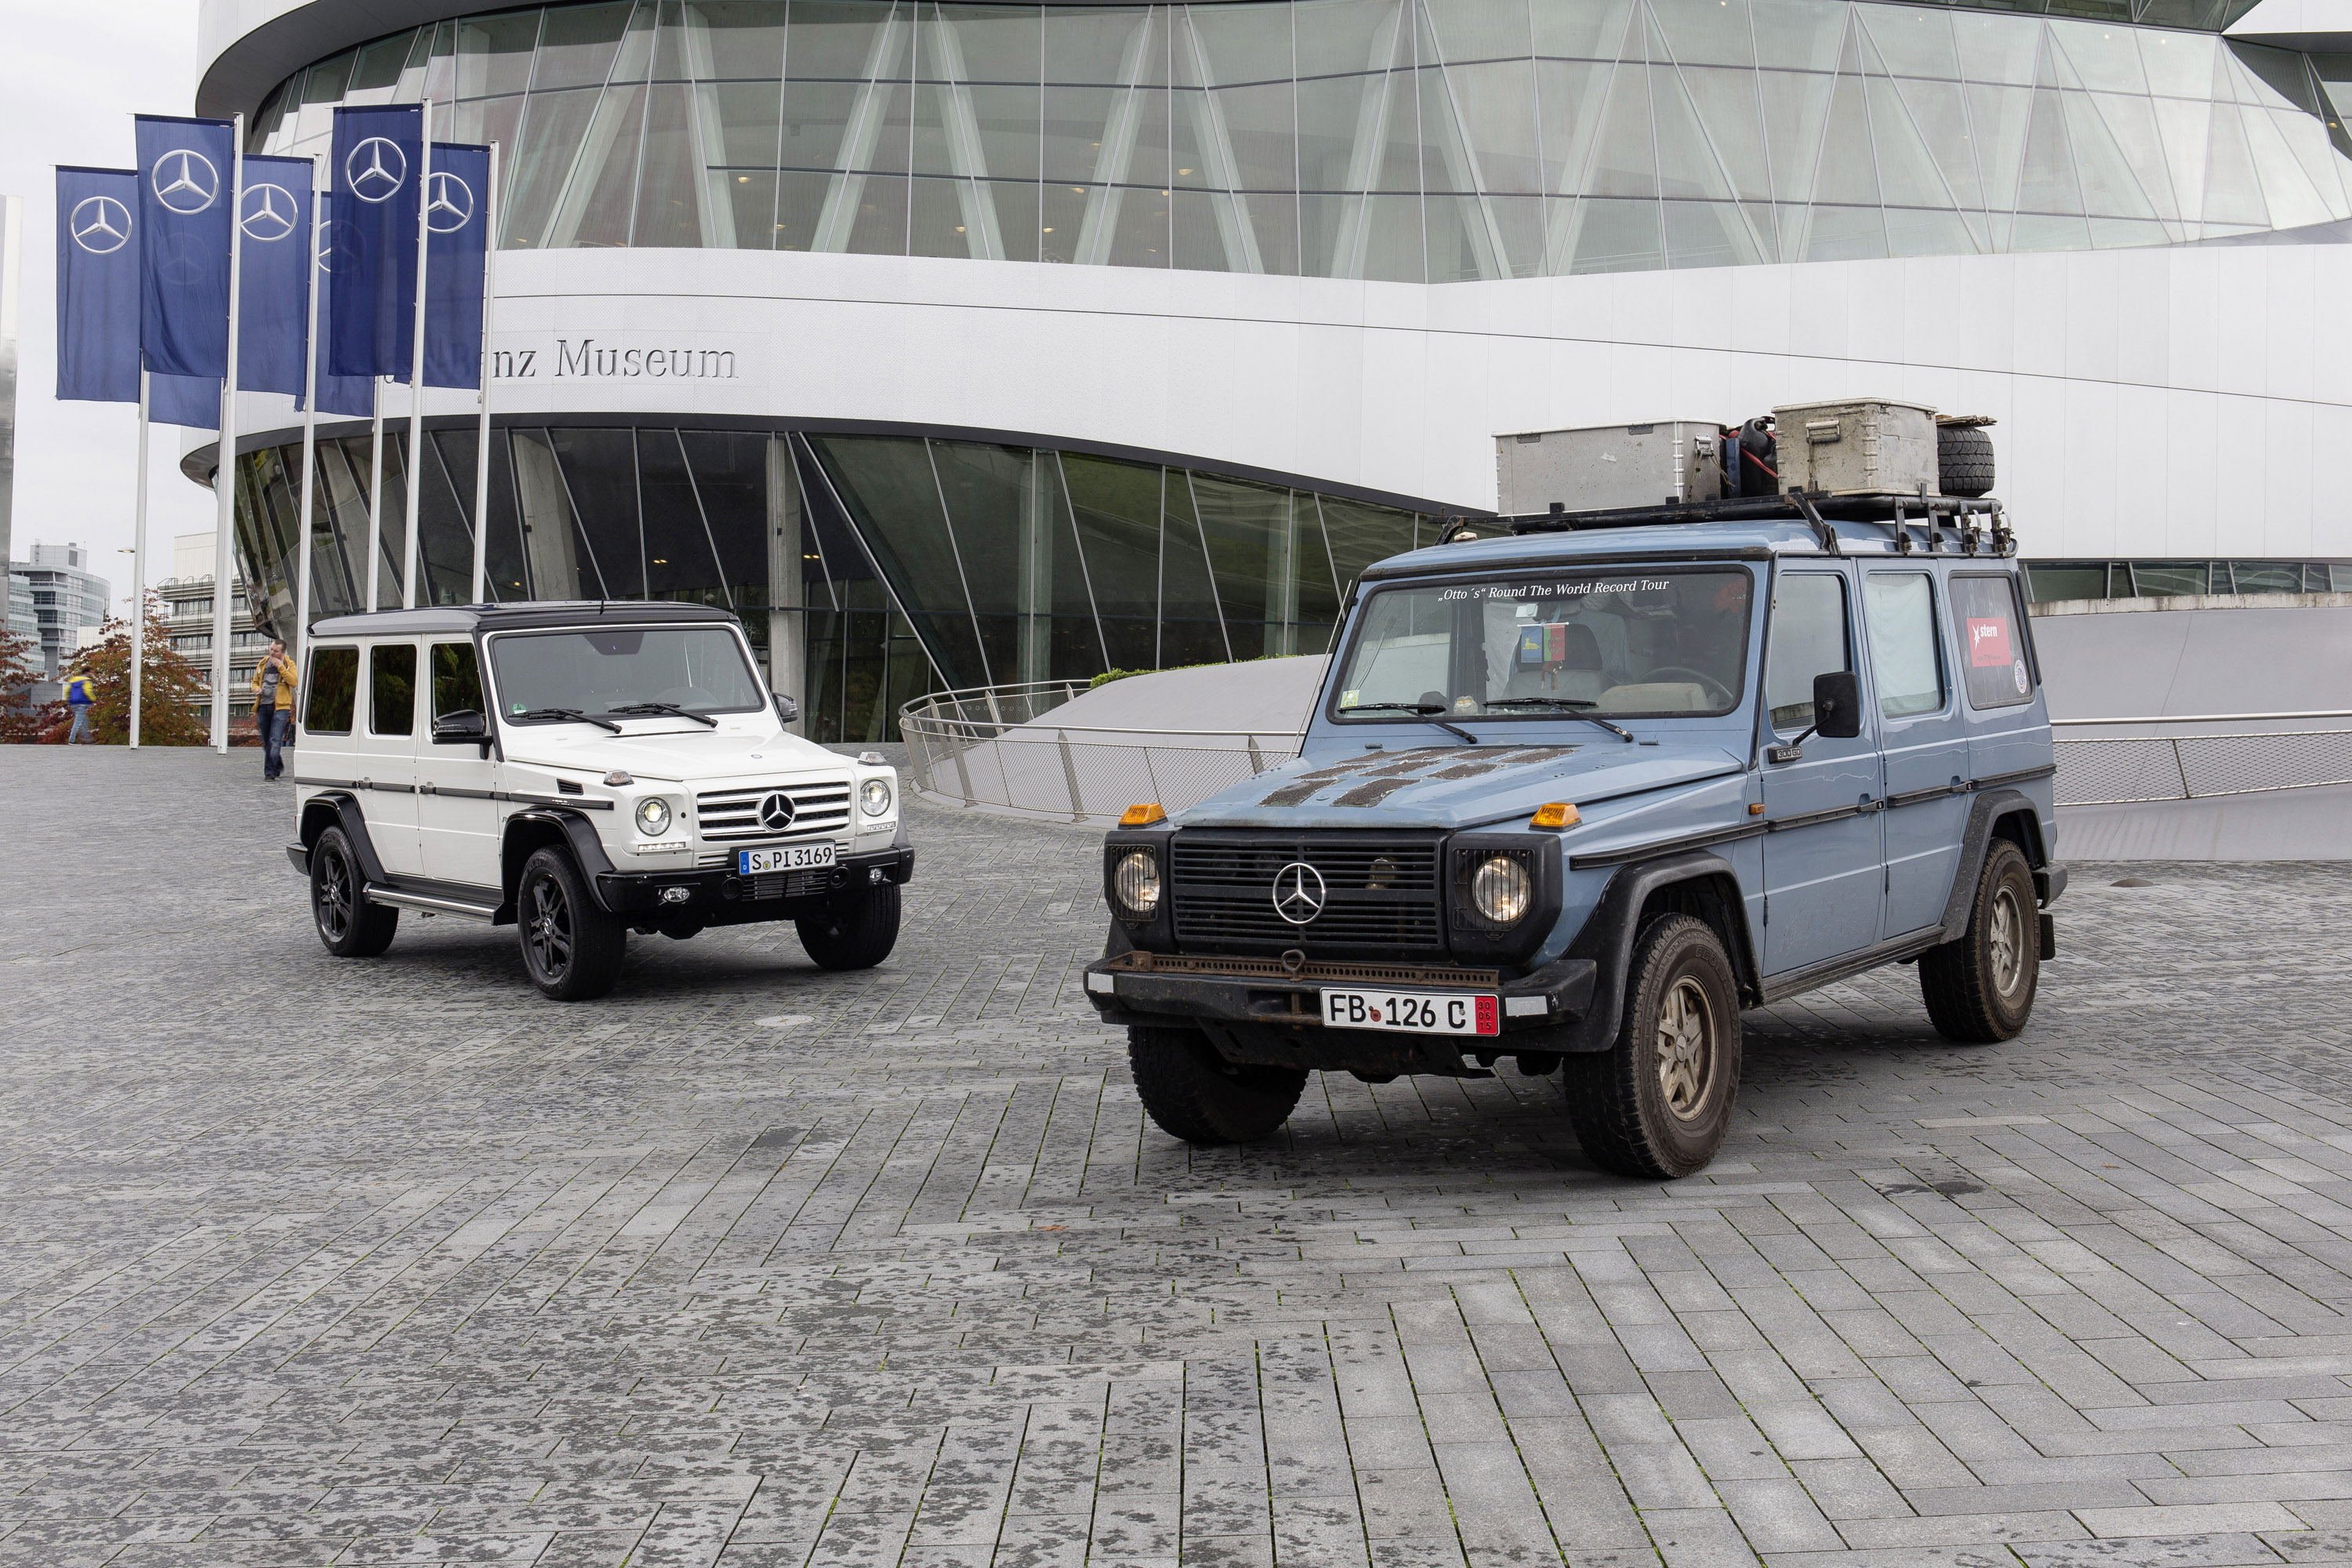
column 1298, row 893
column 776, row 812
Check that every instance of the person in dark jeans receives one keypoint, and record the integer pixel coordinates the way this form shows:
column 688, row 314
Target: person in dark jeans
column 273, row 708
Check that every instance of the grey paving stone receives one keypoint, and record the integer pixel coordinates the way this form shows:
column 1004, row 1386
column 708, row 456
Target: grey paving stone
column 753, row 1264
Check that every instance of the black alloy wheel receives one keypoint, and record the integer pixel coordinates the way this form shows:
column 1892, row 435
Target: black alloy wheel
column 1192, row 1092
column 855, row 930
column 349, row 925
column 571, row 948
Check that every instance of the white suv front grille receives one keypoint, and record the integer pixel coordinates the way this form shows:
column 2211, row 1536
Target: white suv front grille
column 732, row 816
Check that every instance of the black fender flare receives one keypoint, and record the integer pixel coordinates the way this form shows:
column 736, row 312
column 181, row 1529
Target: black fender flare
column 1988, row 807
column 345, row 809
column 579, row 836
column 1608, row 931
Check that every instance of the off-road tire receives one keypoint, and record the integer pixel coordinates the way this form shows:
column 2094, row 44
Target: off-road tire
column 346, row 924
column 1627, row 1116
column 572, row 949
column 1980, row 988
column 1192, row 1092
column 856, row 930
column 1963, row 460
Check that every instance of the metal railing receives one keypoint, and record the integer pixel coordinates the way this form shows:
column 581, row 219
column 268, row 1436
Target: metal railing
column 2133, row 770
column 986, row 746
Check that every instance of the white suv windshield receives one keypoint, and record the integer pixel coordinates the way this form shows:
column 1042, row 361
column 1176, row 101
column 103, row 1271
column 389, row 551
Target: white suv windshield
column 546, row 676
column 1653, row 642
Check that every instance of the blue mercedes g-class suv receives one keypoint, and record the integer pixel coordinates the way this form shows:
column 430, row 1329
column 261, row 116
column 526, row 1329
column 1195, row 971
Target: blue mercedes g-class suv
column 1579, row 794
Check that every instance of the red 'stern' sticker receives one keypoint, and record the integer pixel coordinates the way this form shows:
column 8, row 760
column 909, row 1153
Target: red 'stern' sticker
column 1988, row 642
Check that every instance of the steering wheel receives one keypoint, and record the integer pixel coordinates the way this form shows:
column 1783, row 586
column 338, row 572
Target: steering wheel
column 1700, row 678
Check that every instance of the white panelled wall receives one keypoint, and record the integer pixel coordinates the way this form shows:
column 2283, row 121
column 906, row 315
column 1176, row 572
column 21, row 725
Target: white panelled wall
column 2168, row 402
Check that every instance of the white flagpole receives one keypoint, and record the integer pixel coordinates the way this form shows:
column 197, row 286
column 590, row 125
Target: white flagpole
column 139, row 567
column 375, row 484
column 415, row 485
column 482, row 437
column 225, row 475
column 309, row 438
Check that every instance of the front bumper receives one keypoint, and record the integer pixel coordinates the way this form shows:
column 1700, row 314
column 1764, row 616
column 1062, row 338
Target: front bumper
column 719, row 897
column 1256, row 1010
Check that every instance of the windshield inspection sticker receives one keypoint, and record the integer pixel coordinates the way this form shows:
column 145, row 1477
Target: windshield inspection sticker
column 1989, row 643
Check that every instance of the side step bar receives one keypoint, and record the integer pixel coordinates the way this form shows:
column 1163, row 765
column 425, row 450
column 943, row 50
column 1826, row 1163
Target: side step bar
column 430, row 904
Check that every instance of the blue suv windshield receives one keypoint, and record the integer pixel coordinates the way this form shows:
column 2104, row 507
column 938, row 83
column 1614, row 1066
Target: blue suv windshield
column 1647, row 642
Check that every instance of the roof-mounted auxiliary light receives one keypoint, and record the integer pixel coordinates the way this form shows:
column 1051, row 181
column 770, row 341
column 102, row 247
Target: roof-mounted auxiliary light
column 1555, row 814
column 1142, row 815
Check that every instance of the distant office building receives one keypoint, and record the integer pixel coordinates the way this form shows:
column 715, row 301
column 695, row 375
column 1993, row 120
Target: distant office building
column 187, row 595
column 20, row 620
column 67, row 596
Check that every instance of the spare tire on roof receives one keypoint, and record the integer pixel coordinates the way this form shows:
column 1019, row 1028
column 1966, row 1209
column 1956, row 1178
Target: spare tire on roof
column 1963, row 460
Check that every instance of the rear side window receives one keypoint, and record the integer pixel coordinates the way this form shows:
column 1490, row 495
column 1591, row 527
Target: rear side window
column 333, row 685
column 1987, row 625
column 456, row 680
column 1899, row 608
column 1809, row 638
column 391, row 691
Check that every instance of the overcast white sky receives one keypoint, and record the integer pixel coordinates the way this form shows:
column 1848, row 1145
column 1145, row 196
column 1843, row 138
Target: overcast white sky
column 71, row 76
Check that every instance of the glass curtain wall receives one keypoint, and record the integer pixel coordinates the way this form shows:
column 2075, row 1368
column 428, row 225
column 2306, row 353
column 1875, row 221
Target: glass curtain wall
column 1419, row 140
column 868, row 569
column 2056, row 580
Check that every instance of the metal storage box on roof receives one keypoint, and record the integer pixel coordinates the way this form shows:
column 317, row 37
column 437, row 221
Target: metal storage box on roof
column 1604, row 466
column 1857, row 446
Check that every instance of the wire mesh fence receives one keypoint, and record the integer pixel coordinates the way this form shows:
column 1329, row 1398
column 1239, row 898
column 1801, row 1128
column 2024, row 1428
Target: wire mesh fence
column 2126, row 770
column 986, row 746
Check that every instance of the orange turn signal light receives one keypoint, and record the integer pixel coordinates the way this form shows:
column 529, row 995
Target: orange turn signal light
column 1142, row 815
column 1555, row 814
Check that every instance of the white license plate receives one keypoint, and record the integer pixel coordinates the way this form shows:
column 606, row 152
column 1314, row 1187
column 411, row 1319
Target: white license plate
column 1414, row 1012
column 784, row 858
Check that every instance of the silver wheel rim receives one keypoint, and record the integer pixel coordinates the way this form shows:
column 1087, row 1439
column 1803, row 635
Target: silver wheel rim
column 1685, row 1048
column 2005, row 942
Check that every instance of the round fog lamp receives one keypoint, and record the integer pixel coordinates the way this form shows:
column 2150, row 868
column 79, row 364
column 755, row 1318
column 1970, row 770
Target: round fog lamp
column 652, row 816
column 1501, row 890
column 1137, row 882
column 876, row 796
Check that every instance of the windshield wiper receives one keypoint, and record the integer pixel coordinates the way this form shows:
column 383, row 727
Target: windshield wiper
column 670, row 708
column 1424, row 709
column 573, row 714
column 1572, row 706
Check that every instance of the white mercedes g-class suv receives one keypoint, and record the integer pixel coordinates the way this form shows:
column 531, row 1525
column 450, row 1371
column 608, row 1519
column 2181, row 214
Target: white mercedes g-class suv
column 580, row 771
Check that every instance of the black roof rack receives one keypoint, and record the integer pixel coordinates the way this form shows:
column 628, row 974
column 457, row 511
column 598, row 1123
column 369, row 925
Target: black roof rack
column 1976, row 524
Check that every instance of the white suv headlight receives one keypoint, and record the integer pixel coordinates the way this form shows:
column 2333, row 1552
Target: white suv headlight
column 874, row 796
column 652, row 816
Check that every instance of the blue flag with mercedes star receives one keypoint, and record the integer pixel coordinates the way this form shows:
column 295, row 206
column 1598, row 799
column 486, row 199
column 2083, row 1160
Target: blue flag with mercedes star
column 353, row 396
column 186, row 203
column 457, row 225
column 98, row 285
column 377, row 157
column 273, row 283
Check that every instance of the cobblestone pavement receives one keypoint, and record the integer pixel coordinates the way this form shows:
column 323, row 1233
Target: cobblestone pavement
column 308, row 1261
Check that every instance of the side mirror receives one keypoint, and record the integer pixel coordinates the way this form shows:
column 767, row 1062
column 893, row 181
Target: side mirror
column 787, row 710
column 1837, row 705
column 461, row 727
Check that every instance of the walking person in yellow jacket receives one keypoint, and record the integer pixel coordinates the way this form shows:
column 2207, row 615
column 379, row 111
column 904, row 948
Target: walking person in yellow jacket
column 80, row 697
column 273, row 706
